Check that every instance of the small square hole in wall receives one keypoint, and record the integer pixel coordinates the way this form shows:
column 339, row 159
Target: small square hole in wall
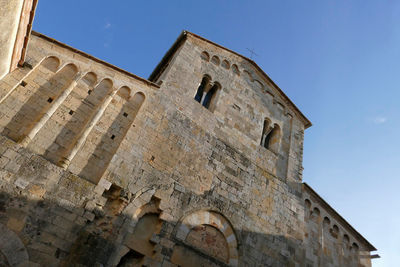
column 50, row 100
column 89, row 92
column 23, row 83
column 112, row 137
column 71, row 112
column 125, row 114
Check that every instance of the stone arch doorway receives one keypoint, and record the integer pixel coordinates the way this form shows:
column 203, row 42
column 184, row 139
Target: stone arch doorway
column 211, row 234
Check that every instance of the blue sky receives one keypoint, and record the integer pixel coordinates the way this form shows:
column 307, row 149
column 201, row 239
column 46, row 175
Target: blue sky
column 339, row 61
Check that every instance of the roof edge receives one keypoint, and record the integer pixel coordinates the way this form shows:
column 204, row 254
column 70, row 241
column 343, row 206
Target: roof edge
column 47, row 38
column 307, row 122
column 159, row 69
column 340, row 218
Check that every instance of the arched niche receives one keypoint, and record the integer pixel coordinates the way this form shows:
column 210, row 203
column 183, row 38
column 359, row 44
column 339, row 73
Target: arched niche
column 258, row 85
column 210, row 223
column 225, row 64
column 307, row 204
column 316, row 212
column 235, row 69
column 215, row 60
column 19, row 95
column 205, row 56
column 67, row 121
column 26, row 105
column 51, row 63
column 335, row 231
column 248, row 76
column 326, row 222
column 90, row 79
column 124, row 92
column 90, row 98
column 112, row 129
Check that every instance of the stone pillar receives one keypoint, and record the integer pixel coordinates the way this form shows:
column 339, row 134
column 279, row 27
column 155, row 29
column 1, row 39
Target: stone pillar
column 66, row 160
column 25, row 140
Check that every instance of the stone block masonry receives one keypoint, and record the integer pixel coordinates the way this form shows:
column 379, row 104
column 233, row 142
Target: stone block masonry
column 201, row 165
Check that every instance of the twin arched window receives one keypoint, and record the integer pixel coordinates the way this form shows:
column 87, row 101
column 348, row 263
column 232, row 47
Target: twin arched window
column 271, row 136
column 206, row 93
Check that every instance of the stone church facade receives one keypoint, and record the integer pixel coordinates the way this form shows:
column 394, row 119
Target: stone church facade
column 198, row 165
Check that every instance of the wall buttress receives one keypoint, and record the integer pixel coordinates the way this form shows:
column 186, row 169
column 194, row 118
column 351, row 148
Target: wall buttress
column 66, row 160
column 47, row 115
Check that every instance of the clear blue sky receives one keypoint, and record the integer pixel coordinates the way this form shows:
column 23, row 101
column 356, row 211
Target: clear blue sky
column 339, row 61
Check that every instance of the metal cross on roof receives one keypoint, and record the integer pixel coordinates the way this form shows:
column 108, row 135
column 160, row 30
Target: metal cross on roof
column 252, row 53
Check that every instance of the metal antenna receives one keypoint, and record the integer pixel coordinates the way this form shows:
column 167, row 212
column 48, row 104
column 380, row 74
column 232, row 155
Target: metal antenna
column 252, row 53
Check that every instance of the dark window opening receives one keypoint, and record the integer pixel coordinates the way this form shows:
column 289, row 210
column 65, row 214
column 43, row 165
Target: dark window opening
column 112, row 137
column 89, row 92
column 200, row 90
column 50, row 100
column 23, row 83
column 265, row 132
column 125, row 114
column 209, row 96
column 268, row 140
column 71, row 112
column 206, row 93
column 271, row 136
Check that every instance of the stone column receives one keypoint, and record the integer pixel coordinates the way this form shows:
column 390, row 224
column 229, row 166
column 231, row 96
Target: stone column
column 66, row 160
column 25, row 140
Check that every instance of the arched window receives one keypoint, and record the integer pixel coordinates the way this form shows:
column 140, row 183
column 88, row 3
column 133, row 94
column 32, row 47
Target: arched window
column 206, row 93
column 199, row 94
column 271, row 136
column 210, row 95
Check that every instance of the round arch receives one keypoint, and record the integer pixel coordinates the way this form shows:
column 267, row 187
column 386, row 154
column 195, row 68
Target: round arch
column 215, row 219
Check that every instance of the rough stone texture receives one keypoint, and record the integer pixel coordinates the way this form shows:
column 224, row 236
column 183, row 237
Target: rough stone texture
column 123, row 171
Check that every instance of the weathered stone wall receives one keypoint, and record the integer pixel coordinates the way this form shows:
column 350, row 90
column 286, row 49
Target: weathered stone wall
column 98, row 166
column 245, row 100
column 329, row 241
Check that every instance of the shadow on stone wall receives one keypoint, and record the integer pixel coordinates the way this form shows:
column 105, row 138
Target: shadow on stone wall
column 50, row 234
column 38, row 102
